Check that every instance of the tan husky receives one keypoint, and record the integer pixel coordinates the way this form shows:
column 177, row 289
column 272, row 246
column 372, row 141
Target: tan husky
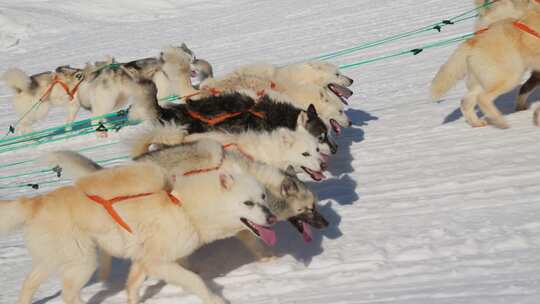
column 494, row 63
column 151, row 222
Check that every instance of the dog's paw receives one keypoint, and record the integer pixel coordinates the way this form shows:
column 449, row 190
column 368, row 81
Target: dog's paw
column 480, row 123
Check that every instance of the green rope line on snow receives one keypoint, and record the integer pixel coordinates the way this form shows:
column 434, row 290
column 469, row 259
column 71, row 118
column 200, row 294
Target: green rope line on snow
column 436, row 26
column 414, row 51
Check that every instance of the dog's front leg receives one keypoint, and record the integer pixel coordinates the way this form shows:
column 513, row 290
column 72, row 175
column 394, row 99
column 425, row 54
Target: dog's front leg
column 72, row 110
column 135, row 279
column 173, row 273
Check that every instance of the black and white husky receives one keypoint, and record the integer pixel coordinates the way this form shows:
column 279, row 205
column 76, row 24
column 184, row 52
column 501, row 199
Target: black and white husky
column 239, row 113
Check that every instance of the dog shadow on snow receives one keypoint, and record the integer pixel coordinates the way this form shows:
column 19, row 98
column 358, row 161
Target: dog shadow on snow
column 506, row 103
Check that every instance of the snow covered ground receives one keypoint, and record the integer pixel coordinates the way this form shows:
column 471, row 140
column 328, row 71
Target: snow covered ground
column 424, row 209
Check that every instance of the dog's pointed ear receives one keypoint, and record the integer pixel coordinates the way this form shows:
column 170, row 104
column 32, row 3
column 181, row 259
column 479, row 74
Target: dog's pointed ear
column 226, row 181
column 302, row 119
column 289, row 187
column 312, row 112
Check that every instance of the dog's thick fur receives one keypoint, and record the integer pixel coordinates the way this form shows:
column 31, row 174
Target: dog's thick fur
column 64, row 227
column 279, row 148
column 107, row 89
column 29, row 89
column 301, row 95
column 494, row 63
column 499, row 10
column 318, row 73
column 275, row 115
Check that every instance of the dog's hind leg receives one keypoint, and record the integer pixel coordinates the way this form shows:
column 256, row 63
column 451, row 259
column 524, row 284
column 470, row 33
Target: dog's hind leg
column 526, row 90
column 32, row 282
column 173, row 273
column 134, row 282
column 468, row 104
column 486, row 103
column 74, row 277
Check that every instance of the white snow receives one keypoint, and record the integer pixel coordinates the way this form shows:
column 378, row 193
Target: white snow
column 424, row 209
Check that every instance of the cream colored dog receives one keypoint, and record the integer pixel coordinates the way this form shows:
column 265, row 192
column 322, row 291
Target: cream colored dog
column 156, row 223
column 494, row 63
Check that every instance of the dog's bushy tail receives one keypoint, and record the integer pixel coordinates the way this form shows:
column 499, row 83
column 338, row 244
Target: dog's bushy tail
column 17, row 79
column 168, row 134
column 13, row 215
column 73, row 164
column 451, row 72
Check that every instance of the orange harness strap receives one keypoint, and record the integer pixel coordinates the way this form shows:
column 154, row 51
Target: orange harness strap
column 244, row 153
column 261, row 93
column 108, row 205
column 522, row 26
column 222, row 117
column 56, row 80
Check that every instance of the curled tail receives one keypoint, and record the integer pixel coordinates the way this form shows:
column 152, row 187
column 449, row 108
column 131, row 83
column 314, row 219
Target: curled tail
column 17, row 79
column 72, row 163
column 13, row 215
column 162, row 135
column 453, row 70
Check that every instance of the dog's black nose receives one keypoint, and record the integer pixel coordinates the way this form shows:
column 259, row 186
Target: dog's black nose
column 324, row 166
column 351, row 81
column 350, row 123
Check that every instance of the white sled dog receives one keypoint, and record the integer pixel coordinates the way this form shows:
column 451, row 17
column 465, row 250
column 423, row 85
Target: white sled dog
column 34, row 95
column 312, row 72
column 280, row 148
column 494, row 62
column 64, row 227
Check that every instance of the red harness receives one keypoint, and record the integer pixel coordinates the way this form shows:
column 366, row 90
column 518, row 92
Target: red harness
column 212, row 121
column 108, row 205
column 56, row 80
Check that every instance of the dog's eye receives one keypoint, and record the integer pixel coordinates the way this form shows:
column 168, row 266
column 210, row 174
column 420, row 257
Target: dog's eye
column 263, row 196
column 300, row 210
column 306, row 154
column 341, row 112
column 318, row 150
column 249, row 203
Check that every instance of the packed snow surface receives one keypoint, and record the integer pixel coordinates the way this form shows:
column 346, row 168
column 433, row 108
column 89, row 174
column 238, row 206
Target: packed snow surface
column 424, row 209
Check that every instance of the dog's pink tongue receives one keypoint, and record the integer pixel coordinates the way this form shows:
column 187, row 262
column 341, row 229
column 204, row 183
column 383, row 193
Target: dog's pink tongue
column 317, row 175
column 307, row 233
column 266, row 234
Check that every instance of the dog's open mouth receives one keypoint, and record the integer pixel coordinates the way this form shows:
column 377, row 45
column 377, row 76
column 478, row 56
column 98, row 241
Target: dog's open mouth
column 264, row 233
column 342, row 92
column 315, row 175
column 336, row 126
column 303, row 228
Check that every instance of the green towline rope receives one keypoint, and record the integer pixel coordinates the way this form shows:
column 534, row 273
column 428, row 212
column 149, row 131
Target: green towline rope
column 433, row 27
column 36, row 185
column 36, row 159
column 414, row 51
column 121, row 113
column 114, row 121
